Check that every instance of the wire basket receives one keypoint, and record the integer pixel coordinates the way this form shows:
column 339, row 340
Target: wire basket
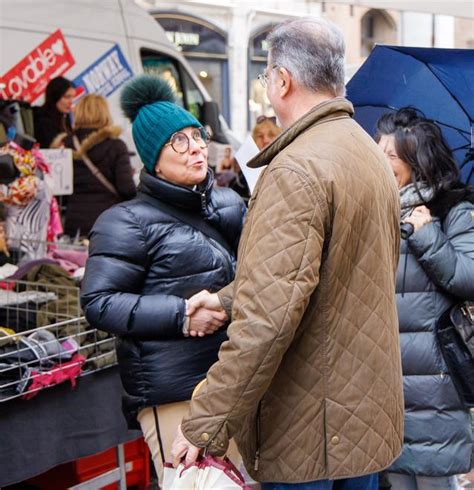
column 45, row 340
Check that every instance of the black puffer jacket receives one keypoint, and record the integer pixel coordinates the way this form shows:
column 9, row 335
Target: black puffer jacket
column 436, row 269
column 143, row 263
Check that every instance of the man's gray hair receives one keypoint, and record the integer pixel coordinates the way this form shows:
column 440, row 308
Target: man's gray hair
column 312, row 50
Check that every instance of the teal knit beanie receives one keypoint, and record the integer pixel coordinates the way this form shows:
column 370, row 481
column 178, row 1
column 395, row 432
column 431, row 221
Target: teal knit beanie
column 149, row 103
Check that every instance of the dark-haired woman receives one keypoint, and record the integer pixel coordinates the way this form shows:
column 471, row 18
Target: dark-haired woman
column 148, row 255
column 54, row 116
column 436, row 269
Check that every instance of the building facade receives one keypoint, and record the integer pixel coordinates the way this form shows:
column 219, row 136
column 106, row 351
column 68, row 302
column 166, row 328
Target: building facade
column 225, row 41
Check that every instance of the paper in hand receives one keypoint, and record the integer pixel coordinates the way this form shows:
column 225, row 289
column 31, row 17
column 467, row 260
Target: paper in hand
column 243, row 155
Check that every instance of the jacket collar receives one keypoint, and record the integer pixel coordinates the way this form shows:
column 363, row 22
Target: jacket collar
column 176, row 195
column 327, row 111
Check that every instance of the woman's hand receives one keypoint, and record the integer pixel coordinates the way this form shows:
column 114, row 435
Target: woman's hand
column 420, row 216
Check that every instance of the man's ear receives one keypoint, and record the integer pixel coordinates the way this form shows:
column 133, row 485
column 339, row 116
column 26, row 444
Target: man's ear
column 284, row 81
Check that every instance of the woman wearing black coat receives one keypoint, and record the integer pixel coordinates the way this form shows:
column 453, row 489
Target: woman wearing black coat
column 98, row 139
column 148, row 255
column 54, row 116
column 436, row 270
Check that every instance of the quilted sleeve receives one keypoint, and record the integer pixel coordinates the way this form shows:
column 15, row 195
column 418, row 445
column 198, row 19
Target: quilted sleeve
column 448, row 256
column 277, row 274
column 115, row 273
column 226, row 297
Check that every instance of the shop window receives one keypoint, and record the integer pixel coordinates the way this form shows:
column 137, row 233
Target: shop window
column 205, row 48
column 258, row 103
column 377, row 27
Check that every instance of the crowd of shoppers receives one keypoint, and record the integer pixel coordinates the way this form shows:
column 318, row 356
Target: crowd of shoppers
column 315, row 337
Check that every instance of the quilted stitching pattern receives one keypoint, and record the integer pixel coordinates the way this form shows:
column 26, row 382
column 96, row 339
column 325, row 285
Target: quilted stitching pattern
column 316, row 341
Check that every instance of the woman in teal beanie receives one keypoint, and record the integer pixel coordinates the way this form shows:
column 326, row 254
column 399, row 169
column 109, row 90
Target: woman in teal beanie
column 148, row 255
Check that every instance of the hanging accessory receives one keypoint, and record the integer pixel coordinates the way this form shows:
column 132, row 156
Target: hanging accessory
column 455, row 335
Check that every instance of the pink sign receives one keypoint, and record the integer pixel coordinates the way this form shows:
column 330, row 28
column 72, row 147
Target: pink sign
column 27, row 80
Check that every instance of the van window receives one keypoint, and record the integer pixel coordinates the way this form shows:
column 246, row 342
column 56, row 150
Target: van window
column 193, row 96
column 188, row 95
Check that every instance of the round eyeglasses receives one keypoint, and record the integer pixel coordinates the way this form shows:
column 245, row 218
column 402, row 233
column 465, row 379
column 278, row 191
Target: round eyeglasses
column 179, row 141
column 263, row 77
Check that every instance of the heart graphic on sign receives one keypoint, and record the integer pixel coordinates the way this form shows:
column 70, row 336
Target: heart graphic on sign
column 58, row 47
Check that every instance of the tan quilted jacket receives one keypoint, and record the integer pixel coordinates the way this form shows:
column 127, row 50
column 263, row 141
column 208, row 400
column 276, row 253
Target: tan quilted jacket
column 310, row 382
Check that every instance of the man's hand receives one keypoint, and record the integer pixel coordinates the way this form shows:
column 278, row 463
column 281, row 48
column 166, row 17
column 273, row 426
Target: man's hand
column 182, row 448
column 205, row 313
column 204, row 299
column 205, row 322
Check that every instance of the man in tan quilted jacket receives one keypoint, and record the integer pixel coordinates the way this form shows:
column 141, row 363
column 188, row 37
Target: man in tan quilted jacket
column 309, row 383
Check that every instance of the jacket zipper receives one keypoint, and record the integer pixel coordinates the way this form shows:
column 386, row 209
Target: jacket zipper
column 224, row 257
column 203, row 201
column 215, row 244
column 257, row 438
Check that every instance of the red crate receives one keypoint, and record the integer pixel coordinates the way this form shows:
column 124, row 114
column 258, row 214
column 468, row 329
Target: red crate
column 137, row 463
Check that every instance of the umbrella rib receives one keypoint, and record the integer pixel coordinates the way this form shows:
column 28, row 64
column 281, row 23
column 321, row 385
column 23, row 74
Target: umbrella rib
column 439, row 80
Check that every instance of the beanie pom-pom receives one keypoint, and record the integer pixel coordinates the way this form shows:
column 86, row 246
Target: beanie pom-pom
column 144, row 90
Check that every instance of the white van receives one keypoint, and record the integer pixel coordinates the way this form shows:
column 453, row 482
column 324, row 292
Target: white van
column 91, row 29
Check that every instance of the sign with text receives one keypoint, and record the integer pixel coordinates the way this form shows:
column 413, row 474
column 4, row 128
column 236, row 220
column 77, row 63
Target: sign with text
column 60, row 163
column 28, row 79
column 105, row 75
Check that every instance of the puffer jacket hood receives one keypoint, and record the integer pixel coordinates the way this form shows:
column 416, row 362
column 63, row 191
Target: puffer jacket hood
column 143, row 264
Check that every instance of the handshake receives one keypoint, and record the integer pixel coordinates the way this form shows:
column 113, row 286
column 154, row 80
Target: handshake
column 205, row 314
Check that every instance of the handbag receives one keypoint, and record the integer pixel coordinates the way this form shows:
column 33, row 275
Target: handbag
column 455, row 335
column 208, row 473
column 94, row 170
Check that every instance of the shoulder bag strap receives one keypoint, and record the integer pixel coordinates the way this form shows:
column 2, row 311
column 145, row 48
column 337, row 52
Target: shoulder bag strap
column 190, row 219
column 94, row 170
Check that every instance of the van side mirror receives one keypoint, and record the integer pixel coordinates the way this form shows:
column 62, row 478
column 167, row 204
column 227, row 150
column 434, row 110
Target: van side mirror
column 210, row 117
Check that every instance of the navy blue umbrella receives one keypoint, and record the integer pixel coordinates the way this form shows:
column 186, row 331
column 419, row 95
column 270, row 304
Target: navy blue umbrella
column 437, row 82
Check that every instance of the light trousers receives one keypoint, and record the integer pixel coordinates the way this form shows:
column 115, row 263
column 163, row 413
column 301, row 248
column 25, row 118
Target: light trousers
column 168, row 417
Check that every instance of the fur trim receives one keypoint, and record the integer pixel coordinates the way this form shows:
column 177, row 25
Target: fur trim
column 96, row 137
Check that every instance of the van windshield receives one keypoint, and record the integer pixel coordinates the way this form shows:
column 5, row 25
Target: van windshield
column 187, row 94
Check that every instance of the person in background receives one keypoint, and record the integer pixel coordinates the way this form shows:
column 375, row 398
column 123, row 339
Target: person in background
column 149, row 255
column 436, row 270
column 310, row 382
column 99, row 139
column 265, row 131
column 54, row 116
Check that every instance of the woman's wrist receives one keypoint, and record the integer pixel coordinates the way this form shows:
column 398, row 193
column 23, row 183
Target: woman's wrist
column 185, row 327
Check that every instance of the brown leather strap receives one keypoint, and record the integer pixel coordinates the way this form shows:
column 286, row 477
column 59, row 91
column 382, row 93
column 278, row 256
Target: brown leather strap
column 94, row 170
